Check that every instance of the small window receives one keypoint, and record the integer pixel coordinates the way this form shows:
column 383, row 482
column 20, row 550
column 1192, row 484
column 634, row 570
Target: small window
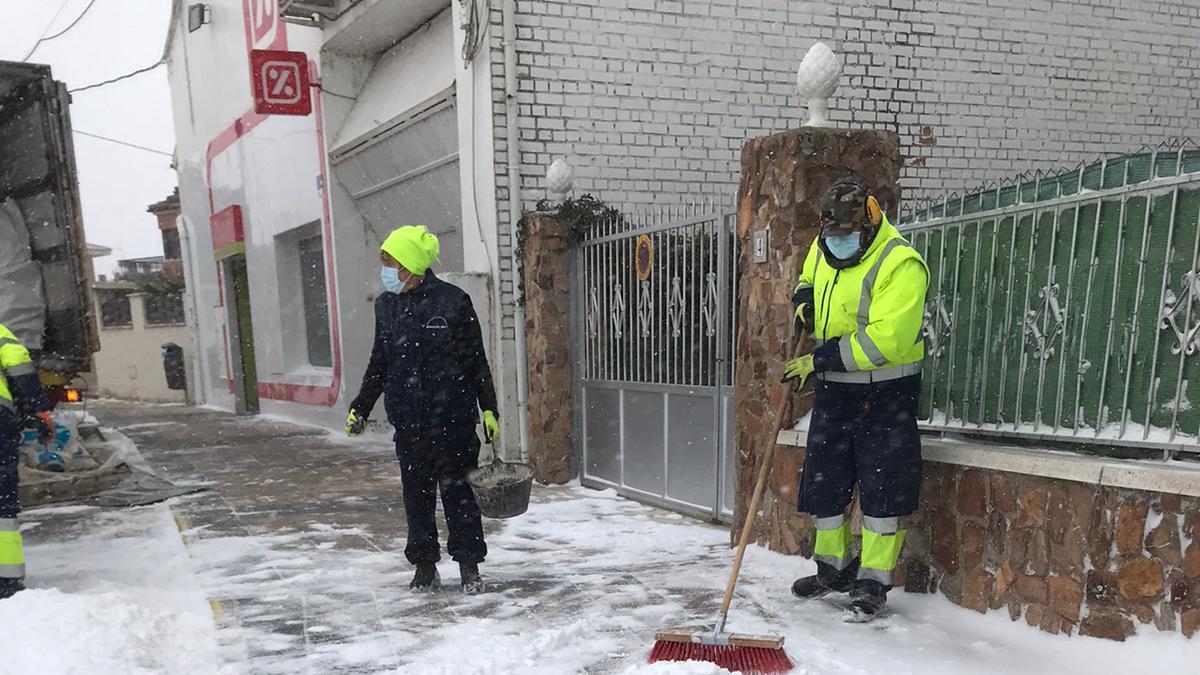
column 164, row 309
column 316, row 301
column 114, row 309
column 170, row 242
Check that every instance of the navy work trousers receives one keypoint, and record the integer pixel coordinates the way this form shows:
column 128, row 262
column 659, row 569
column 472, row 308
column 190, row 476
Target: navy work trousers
column 864, row 435
column 423, row 473
column 10, row 457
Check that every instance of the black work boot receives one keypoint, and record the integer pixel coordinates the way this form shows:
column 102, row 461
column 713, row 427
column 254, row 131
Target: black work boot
column 826, row 580
column 426, row 578
column 867, row 599
column 472, row 582
column 10, row 587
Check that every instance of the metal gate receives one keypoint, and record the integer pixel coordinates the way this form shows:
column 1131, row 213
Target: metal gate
column 654, row 329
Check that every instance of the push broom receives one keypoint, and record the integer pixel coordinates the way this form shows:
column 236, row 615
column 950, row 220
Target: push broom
column 734, row 651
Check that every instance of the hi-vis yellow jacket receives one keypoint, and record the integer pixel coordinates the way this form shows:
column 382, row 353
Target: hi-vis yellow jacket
column 874, row 309
column 20, row 390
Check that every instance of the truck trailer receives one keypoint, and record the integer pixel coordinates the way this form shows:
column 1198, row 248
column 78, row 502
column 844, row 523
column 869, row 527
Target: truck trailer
column 45, row 273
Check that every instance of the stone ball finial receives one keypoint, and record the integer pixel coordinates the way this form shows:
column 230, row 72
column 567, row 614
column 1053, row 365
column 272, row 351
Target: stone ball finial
column 817, row 79
column 559, row 178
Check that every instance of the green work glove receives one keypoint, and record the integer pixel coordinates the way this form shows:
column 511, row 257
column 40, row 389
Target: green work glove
column 491, row 427
column 800, row 367
column 355, row 423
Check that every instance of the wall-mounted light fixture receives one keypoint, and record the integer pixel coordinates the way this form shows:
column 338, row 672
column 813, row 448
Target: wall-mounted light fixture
column 198, row 15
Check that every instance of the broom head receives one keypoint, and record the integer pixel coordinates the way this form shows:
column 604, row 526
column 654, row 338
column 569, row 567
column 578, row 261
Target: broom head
column 731, row 651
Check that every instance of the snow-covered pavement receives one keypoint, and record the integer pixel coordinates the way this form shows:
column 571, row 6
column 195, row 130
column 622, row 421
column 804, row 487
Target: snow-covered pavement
column 112, row 591
column 292, row 563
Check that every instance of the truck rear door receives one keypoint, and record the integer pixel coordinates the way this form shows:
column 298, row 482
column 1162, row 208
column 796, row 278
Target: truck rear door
column 37, row 172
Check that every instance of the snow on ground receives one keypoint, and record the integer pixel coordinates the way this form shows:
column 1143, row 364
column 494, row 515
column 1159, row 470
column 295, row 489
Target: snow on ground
column 111, row 592
column 578, row 584
column 593, row 537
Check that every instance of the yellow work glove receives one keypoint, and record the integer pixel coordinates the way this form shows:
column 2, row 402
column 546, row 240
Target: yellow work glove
column 799, row 367
column 804, row 315
column 491, row 427
column 355, row 423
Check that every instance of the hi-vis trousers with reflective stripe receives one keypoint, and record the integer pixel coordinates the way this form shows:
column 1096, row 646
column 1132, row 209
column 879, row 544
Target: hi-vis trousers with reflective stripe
column 12, row 554
column 12, row 557
column 864, row 436
column 882, row 540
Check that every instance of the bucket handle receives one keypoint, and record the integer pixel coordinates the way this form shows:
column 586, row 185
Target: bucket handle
column 494, row 445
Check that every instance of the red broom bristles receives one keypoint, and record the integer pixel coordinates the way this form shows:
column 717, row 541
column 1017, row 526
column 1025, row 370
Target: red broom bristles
column 748, row 660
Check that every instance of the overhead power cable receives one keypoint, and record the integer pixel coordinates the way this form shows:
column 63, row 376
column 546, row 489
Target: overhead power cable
column 118, row 79
column 125, row 143
column 54, row 18
column 478, row 18
column 69, row 27
column 334, row 93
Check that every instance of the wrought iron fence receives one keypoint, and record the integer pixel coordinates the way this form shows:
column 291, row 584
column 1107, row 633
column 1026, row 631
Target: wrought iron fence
column 1066, row 307
column 164, row 309
column 115, row 309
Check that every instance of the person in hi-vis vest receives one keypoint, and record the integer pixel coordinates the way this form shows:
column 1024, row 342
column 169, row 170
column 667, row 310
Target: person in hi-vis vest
column 862, row 297
column 21, row 397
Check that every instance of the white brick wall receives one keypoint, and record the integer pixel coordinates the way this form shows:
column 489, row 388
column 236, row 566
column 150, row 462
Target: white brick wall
column 651, row 100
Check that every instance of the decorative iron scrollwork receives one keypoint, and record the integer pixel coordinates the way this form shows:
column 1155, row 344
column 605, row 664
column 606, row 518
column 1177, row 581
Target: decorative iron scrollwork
column 645, row 308
column 618, row 310
column 938, row 325
column 1183, row 310
column 1053, row 315
column 676, row 307
column 708, row 310
column 593, row 312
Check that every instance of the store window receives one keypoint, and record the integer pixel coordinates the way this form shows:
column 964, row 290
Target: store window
column 316, row 301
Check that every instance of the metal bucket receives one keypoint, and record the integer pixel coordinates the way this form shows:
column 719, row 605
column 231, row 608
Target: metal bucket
column 502, row 488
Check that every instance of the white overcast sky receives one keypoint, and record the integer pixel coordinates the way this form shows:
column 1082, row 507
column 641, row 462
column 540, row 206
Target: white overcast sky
column 114, row 37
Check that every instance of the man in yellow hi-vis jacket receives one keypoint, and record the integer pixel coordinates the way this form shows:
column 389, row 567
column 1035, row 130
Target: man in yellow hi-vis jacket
column 21, row 397
column 862, row 296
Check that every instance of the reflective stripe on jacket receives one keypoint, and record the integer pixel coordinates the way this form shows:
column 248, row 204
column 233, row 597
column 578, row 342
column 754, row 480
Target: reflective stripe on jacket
column 20, row 389
column 873, row 309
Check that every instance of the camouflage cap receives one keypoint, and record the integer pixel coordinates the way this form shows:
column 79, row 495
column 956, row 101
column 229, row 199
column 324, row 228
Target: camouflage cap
column 844, row 207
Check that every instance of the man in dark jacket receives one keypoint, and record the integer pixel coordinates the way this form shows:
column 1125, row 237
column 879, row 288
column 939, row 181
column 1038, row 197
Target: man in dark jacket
column 428, row 362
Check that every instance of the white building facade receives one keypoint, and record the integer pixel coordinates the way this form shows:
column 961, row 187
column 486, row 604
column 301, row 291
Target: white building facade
column 447, row 112
column 282, row 216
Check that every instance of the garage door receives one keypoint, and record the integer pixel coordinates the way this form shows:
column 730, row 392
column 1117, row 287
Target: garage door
column 407, row 173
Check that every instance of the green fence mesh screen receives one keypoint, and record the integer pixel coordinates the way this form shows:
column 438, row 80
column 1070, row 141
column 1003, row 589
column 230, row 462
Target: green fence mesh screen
column 1067, row 305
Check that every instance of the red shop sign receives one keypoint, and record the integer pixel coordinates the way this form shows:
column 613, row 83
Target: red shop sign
column 280, row 82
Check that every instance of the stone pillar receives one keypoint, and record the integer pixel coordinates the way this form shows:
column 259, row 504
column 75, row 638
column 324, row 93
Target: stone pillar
column 547, row 264
column 783, row 178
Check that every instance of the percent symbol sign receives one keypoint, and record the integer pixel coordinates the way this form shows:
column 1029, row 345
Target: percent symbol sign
column 280, row 82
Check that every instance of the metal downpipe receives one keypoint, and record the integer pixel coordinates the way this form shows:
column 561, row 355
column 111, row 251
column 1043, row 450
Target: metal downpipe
column 509, row 10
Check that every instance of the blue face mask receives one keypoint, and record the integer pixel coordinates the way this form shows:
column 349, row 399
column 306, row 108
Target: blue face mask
column 843, row 246
column 390, row 276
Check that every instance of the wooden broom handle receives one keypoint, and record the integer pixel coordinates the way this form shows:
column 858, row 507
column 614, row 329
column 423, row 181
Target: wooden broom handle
column 761, row 483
